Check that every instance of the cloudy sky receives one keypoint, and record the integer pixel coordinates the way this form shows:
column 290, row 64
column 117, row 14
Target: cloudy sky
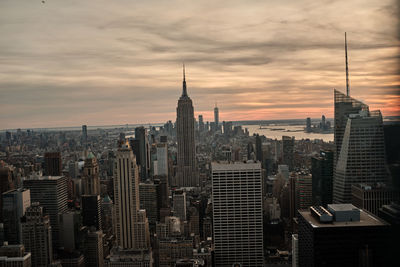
column 98, row 62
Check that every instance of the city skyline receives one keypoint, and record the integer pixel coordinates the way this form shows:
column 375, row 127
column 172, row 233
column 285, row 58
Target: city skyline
column 66, row 64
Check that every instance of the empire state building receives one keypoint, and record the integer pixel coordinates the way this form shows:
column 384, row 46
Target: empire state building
column 187, row 175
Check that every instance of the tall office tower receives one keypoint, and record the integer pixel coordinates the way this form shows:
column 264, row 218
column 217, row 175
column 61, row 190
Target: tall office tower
column 36, row 235
column 201, row 124
column 371, row 197
column 91, row 211
column 362, row 154
column 259, row 153
column 93, row 249
column 84, row 136
column 14, row 256
column 126, row 196
column 308, row 125
column 6, row 183
column 52, row 164
column 237, row 214
column 322, row 178
column 51, row 193
column 343, row 235
column 288, row 151
column 187, row 175
column 304, row 183
column 142, row 152
column 179, row 204
column 15, row 203
column 216, row 117
column 162, row 159
column 71, row 227
column 142, row 234
column 148, row 194
column 90, row 179
column 344, row 106
column 228, row 128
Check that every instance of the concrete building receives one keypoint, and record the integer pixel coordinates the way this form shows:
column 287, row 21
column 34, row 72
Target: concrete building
column 295, row 250
column 36, row 235
column 141, row 149
column 129, row 258
column 15, row 203
column 304, row 189
column 237, row 214
column 179, row 205
column 51, row 193
column 171, row 250
column 187, row 175
column 14, row 256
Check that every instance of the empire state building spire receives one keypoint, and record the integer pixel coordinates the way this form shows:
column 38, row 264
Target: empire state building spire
column 184, row 91
column 187, row 175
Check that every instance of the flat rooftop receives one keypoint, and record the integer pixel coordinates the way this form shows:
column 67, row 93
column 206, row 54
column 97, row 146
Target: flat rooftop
column 366, row 219
column 233, row 166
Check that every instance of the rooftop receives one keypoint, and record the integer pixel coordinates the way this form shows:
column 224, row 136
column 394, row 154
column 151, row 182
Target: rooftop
column 366, row 219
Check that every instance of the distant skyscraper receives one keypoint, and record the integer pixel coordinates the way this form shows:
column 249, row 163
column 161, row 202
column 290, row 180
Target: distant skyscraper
column 201, row 123
column 237, row 214
column 322, row 178
column 187, row 175
column 308, row 125
column 84, row 135
column 15, row 203
column 52, row 164
column 288, row 151
column 51, row 193
column 361, row 157
column 142, row 152
column 36, row 235
column 90, row 179
column 216, row 117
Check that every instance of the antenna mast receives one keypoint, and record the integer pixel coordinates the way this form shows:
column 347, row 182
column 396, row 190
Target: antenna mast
column 347, row 67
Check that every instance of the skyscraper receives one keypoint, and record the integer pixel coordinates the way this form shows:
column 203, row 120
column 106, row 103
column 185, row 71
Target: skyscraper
column 361, row 156
column 90, row 179
column 187, row 175
column 84, row 136
column 36, row 235
column 288, row 151
column 216, row 117
column 142, row 152
column 15, row 203
column 322, row 177
column 52, row 164
column 237, row 214
column 51, row 193
column 91, row 211
column 126, row 197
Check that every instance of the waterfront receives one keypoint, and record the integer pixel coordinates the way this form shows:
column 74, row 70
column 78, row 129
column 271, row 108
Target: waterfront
column 277, row 131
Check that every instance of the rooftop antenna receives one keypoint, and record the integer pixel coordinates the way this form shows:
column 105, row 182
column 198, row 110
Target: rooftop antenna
column 347, row 67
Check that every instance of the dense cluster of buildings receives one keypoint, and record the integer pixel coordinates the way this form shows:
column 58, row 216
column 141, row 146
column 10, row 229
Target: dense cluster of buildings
column 195, row 193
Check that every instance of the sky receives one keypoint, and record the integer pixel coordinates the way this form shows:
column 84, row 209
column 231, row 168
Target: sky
column 74, row 62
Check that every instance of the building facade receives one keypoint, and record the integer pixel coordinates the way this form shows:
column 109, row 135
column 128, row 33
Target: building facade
column 237, row 214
